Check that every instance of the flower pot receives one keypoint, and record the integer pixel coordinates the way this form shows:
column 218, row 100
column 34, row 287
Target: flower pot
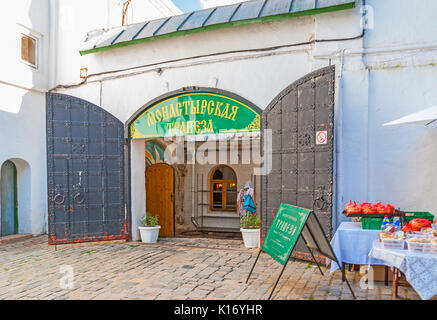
column 149, row 234
column 251, row 237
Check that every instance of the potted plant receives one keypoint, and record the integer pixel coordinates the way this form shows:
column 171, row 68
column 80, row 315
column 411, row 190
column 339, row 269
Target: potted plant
column 250, row 229
column 149, row 229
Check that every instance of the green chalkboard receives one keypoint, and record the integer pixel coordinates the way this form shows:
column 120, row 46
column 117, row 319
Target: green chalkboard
column 284, row 232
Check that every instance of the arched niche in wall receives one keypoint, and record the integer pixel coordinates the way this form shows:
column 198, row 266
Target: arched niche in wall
column 8, row 199
column 18, row 191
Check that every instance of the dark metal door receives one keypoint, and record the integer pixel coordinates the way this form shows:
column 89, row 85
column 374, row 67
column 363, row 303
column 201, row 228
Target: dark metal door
column 302, row 122
column 85, row 169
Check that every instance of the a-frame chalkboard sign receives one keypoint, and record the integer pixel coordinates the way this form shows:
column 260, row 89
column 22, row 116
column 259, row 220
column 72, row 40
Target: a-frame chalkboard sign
column 289, row 224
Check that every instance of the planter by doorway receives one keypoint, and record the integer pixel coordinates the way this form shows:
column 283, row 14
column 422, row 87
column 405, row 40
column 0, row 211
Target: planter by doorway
column 251, row 237
column 149, row 234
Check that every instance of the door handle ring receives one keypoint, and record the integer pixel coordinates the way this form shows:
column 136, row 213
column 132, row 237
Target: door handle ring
column 76, row 196
column 59, row 202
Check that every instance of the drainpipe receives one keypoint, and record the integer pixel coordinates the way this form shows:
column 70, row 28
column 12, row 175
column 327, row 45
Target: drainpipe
column 366, row 65
column 339, row 153
column 52, row 65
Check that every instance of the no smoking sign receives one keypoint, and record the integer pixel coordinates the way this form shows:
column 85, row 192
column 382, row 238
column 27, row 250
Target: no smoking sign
column 321, row 137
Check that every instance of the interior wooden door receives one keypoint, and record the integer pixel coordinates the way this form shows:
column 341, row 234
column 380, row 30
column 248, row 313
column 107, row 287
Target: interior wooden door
column 159, row 196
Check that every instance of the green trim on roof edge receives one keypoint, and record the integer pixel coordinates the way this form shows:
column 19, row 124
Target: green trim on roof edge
column 345, row 6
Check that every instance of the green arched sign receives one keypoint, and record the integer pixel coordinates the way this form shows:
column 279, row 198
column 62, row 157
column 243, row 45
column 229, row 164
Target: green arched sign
column 198, row 113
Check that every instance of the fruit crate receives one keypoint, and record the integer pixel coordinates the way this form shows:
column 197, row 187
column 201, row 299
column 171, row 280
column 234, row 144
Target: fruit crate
column 375, row 223
column 372, row 223
column 410, row 215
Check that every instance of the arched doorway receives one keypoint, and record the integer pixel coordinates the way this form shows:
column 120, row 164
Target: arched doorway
column 8, row 199
column 160, row 196
column 183, row 121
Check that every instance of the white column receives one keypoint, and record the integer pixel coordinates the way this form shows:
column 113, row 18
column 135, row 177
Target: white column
column 138, row 185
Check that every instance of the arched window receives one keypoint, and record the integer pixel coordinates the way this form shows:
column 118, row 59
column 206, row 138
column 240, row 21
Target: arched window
column 223, row 187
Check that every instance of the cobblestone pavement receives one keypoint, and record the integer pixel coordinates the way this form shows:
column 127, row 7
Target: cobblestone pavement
column 174, row 268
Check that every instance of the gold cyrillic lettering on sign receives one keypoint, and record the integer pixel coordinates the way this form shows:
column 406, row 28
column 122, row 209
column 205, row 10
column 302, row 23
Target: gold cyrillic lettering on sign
column 195, row 114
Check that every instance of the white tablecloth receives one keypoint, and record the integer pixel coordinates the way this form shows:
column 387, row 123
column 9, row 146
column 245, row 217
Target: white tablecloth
column 420, row 269
column 352, row 244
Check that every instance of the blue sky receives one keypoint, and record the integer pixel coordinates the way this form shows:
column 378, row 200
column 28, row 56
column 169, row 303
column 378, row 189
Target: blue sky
column 187, row 5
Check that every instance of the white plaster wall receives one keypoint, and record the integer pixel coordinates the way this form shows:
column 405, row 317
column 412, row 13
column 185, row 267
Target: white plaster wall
column 351, row 140
column 402, row 159
column 22, row 107
column 258, row 80
column 399, row 22
column 23, row 141
column 31, row 18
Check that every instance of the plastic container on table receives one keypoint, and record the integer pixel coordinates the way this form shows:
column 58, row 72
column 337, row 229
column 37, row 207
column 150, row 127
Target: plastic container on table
column 416, row 234
column 418, row 246
column 434, row 246
column 430, row 233
column 427, row 247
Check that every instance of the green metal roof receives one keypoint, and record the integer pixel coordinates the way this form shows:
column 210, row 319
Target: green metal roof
column 254, row 11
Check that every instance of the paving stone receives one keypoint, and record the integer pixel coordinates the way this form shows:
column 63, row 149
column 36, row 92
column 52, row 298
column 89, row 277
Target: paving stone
column 174, row 268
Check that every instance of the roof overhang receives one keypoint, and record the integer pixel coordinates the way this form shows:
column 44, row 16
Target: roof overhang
column 244, row 13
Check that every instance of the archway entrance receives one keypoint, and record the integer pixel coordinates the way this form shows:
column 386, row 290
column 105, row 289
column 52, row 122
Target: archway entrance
column 8, row 199
column 160, row 196
column 200, row 129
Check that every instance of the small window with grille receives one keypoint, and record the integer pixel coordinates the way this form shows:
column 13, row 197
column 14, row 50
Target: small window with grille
column 28, row 50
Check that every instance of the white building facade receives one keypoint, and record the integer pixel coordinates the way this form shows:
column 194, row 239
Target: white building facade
column 382, row 53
